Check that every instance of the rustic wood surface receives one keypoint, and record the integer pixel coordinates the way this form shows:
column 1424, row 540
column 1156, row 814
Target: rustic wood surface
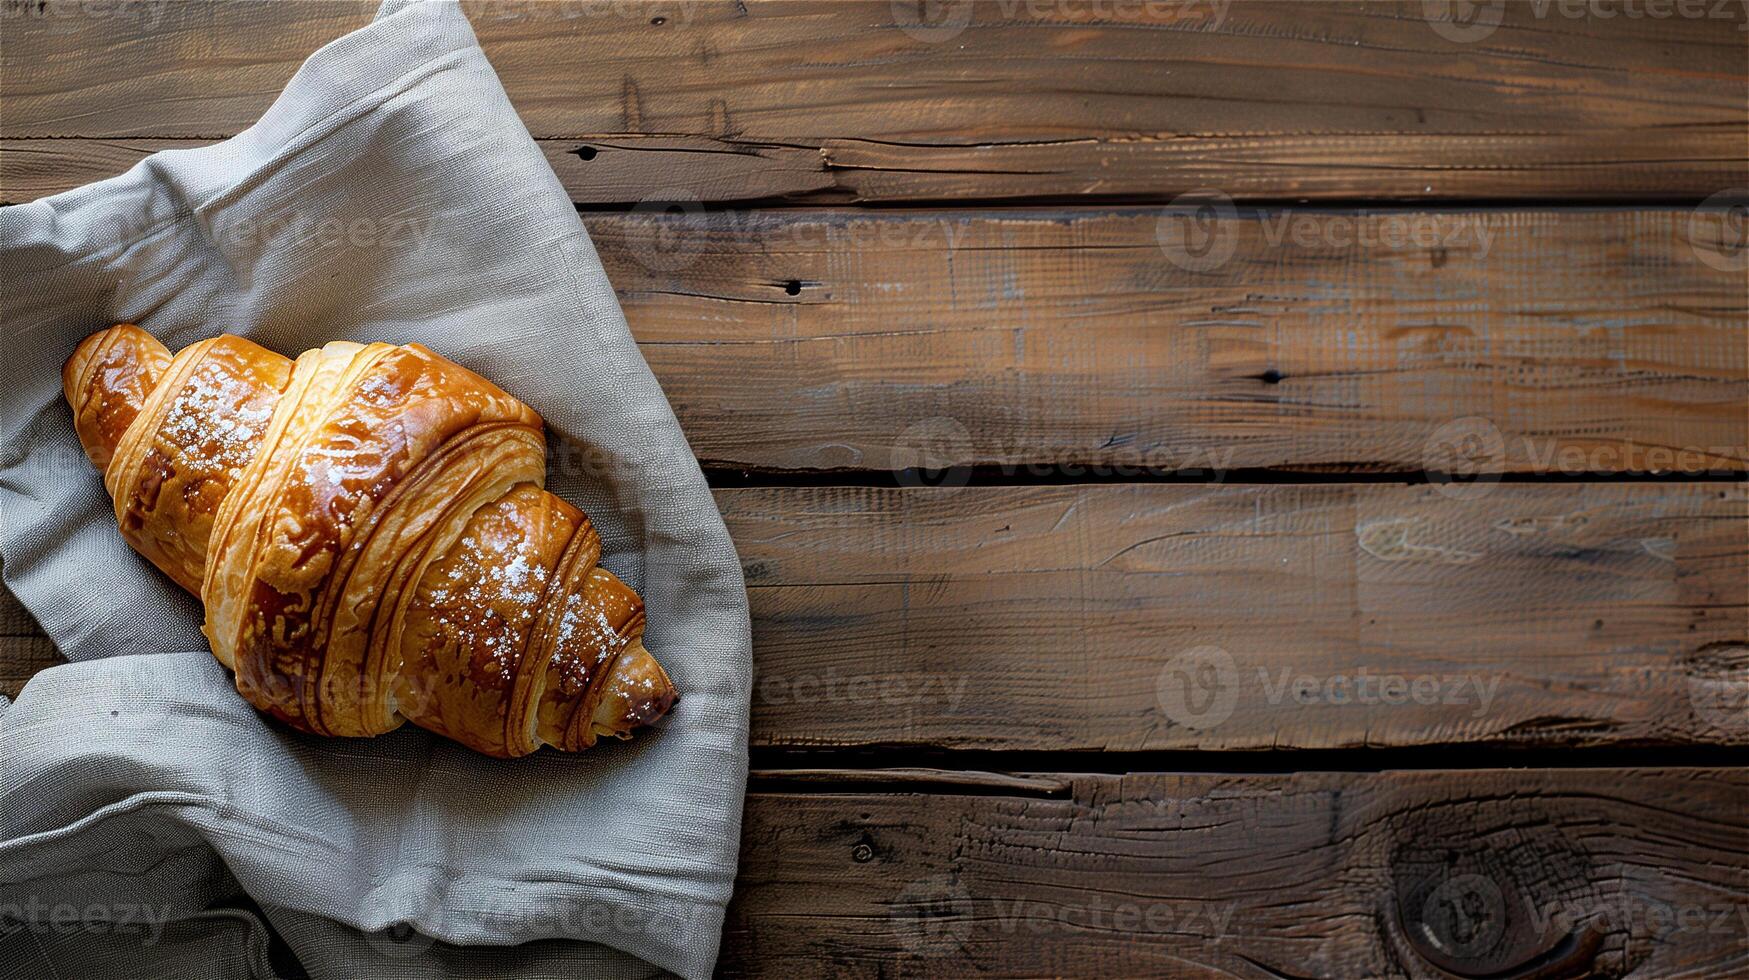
column 872, row 101
column 1136, row 522
column 1486, row 873
column 1571, row 341
column 1074, row 617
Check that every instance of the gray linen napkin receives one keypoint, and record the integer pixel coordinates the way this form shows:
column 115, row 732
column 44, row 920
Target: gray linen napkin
column 391, row 193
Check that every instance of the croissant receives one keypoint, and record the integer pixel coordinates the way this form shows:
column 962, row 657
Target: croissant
column 367, row 529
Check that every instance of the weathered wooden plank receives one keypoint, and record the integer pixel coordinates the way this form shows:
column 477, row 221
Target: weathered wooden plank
column 21, row 657
column 1240, row 617
column 1609, row 873
column 1247, row 617
column 24, row 650
column 35, row 168
column 1565, row 341
column 1569, row 341
column 865, row 101
column 619, row 168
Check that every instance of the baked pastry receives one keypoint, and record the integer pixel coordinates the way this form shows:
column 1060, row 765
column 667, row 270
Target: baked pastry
column 367, row 531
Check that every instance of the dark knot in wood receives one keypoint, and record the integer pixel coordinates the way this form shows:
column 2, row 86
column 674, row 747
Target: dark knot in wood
column 1481, row 891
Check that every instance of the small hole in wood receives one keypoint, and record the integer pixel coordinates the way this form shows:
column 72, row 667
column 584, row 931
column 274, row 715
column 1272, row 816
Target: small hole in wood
column 1270, row 377
column 658, row 21
column 793, row 287
column 585, row 152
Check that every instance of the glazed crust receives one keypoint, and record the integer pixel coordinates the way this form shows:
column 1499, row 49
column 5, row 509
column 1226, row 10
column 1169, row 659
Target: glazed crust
column 367, row 529
column 106, row 381
column 171, row 471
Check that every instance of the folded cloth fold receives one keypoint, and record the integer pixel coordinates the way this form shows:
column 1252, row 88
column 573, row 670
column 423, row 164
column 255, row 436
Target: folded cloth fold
column 390, row 193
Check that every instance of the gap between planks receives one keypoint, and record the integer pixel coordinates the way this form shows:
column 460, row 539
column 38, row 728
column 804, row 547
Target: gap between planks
column 623, row 170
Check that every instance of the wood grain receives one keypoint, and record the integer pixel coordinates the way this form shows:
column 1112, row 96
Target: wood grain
column 1486, row 873
column 1240, row 617
column 22, row 657
column 860, row 101
column 1046, row 341
column 1247, row 617
column 35, row 168
column 1468, row 341
column 624, row 168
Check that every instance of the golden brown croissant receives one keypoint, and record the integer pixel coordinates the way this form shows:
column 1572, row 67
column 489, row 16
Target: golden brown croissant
column 367, row 529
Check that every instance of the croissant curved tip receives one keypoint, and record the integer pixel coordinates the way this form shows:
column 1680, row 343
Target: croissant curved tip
column 639, row 692
column 106, row 381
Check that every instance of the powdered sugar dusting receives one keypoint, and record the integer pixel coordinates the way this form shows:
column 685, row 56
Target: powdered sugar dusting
column 591, row 627
column 217, row 418
column 486, row 600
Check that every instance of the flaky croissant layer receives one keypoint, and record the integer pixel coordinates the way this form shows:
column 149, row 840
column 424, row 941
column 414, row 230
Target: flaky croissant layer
column 367, row 529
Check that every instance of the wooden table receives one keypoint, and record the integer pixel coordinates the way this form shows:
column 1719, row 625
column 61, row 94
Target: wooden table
column 1169, row 649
